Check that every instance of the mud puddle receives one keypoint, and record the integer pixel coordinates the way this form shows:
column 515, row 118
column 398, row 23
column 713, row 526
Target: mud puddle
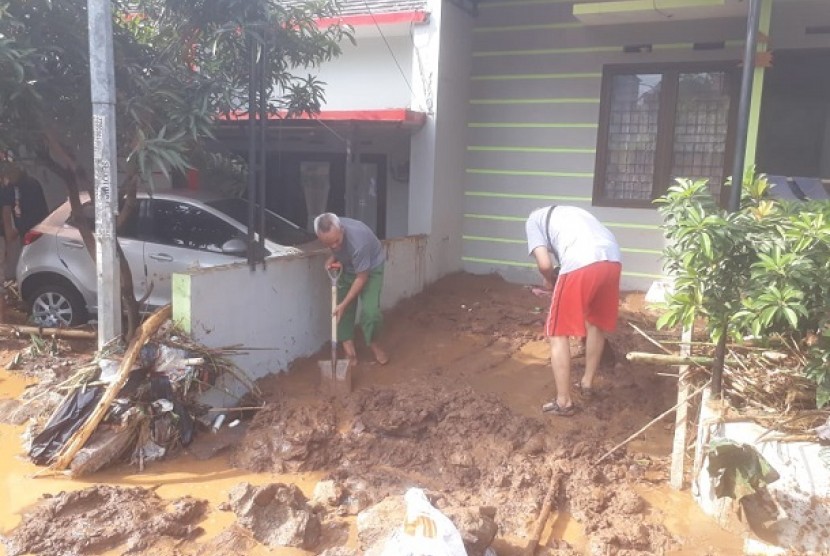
column 185, row 477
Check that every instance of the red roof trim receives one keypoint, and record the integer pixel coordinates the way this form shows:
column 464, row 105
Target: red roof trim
column 395, row 115
column 359, row 20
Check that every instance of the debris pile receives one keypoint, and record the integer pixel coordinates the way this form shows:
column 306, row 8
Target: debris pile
column 141, row 403
column 765, row 385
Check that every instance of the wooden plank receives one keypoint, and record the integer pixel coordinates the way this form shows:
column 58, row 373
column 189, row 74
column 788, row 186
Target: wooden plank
column 681, row 416
column 77, row 441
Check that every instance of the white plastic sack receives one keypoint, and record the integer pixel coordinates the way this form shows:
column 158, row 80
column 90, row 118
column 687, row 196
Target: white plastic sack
column 425, row 532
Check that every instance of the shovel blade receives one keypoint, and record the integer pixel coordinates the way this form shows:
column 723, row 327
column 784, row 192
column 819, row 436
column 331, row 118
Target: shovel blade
column 336, row 381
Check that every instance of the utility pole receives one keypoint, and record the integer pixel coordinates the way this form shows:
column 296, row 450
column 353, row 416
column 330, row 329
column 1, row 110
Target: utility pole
column 105, row 160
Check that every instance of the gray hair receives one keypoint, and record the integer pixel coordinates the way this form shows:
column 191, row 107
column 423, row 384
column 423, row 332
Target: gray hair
column 324, row 223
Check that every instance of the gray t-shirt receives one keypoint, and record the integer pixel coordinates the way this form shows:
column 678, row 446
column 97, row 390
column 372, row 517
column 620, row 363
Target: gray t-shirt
column 361, row 251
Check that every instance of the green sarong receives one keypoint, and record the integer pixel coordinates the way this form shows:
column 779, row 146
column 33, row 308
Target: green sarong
column 371, row 318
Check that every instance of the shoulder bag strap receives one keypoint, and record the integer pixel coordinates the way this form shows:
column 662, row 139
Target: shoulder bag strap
column 547, row 233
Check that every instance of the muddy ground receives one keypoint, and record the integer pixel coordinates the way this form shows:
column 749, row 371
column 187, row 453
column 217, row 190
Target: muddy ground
column 457, row 413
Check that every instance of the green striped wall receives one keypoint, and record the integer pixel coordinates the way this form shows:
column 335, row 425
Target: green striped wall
column 536, row 76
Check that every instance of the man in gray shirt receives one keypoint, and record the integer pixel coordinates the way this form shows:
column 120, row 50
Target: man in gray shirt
column 358, row 251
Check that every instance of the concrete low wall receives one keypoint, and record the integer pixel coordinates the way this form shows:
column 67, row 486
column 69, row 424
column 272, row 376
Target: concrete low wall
column 281, row 312
column 802, row 493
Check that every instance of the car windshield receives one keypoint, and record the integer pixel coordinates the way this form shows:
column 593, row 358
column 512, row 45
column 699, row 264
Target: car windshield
column 277, row 229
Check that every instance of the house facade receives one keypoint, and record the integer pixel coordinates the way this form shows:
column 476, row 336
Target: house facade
column 456, row 119
column 353, row 157
column 601, row 104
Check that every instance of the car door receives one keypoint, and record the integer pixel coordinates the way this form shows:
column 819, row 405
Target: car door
column 182, row 237
column 74, row 256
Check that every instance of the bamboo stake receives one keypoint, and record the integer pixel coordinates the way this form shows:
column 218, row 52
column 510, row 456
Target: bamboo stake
column 76, row 442
column 539, row 525
column 649, row 338
column 659, row 358
column 66, row 333
column 650, row 424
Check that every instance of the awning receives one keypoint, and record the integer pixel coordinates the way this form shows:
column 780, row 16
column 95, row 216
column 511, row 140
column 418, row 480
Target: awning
column 373, row 19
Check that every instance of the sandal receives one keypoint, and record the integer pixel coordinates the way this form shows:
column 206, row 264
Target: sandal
column 585, row 391
column 554, row 408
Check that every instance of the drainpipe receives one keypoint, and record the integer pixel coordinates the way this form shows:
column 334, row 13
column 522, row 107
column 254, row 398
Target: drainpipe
column 738, row 166
column 745, row 103
column 105, row 160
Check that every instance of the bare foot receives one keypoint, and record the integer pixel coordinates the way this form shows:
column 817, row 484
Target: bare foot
column 380, row 355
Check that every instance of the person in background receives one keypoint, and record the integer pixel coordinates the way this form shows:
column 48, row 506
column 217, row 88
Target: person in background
column 586, row 292
column 9, row 231
column 30, row 206
column 358, row 251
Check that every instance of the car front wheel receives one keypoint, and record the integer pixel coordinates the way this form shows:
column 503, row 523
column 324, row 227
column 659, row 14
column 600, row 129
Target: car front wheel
column 56, row 306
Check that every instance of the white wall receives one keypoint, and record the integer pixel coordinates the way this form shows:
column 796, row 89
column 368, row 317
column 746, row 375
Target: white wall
column 366, row 76
column 802, row 492
column 282, row 310
column 441, row 83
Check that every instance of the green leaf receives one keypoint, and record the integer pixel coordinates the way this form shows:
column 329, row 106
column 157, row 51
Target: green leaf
column 791, row 316
column 667, row 319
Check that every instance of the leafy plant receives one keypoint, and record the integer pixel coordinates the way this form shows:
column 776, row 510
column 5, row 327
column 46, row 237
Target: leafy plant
column 763, row 270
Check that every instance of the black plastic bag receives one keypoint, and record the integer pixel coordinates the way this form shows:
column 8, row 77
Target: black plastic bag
column 69, row 417
column 161, row 388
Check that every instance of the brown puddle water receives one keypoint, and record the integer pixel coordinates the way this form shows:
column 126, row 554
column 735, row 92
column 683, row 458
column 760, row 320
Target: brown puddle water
column 208, row 479
column 684, row 518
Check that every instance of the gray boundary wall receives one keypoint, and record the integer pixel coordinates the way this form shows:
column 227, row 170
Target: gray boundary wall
column 284, row 309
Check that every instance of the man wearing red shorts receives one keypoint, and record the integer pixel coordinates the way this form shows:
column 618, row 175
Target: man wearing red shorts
column 586, row 295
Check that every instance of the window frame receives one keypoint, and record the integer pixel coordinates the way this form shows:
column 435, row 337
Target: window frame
column 665, row 124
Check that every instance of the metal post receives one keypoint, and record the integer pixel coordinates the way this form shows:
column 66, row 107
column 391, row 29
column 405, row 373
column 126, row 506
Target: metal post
column 745, row 103
column 105, row 160
column 252, row 151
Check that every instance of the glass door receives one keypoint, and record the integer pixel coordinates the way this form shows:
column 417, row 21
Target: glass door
column 315, row 179
column 366, row 193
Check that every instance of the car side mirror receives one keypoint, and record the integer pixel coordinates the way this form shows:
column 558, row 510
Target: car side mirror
column 235, row 247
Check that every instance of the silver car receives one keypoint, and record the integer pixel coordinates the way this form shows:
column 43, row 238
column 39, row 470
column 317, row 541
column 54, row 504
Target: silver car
column 166, row 233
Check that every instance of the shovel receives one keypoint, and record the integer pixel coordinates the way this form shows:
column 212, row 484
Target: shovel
column 336, row 376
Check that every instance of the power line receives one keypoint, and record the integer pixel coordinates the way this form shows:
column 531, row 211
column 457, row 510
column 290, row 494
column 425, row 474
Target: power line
column 389, row 47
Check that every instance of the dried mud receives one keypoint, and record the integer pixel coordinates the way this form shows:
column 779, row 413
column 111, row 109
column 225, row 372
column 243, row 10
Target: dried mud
column 103, row 517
